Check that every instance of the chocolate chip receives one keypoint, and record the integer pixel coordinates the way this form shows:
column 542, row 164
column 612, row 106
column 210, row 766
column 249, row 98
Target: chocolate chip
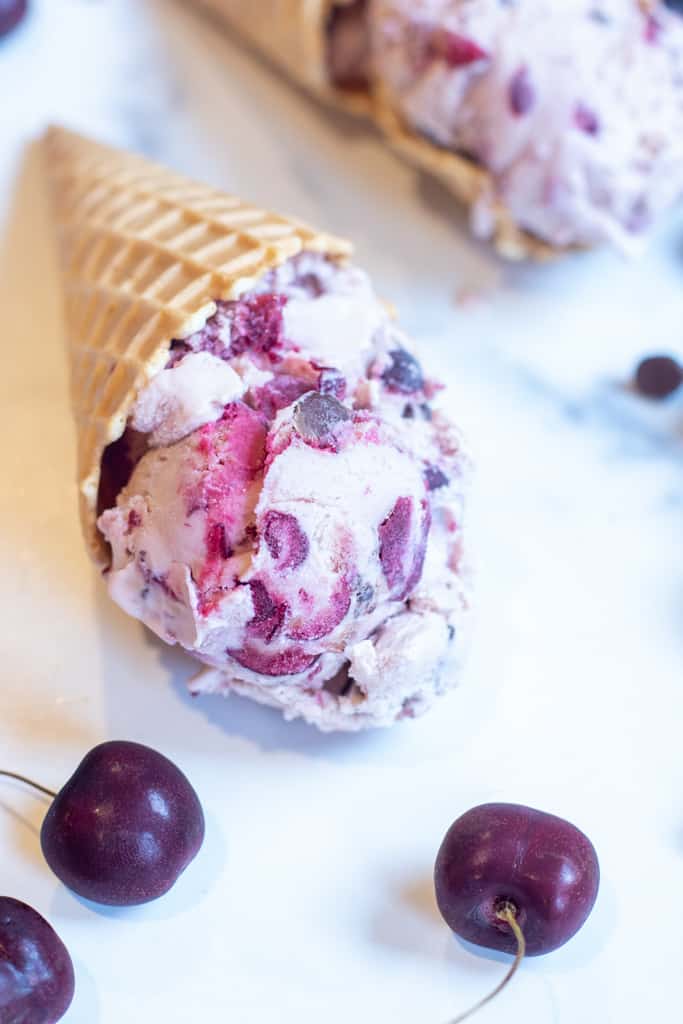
column 521, row 92
column 404, row 374
column 317, row 416
column 332, row 382
column 586, row 120
column 435, row 478
column 658, row 376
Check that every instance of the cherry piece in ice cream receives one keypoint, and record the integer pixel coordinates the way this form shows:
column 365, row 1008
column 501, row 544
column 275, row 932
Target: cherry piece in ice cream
column 124, row 827
column 659, row 376
column 457, row 50
column 257, row 324
column 11, row 13
column 402, row 560
column 286, row 541
column 506, row 856
column 268, row 614
column 36, row 973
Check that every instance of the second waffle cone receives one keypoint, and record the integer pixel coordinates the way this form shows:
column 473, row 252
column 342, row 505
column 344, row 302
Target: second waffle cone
column 293, row 35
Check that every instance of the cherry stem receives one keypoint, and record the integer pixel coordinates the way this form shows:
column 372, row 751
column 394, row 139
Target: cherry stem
column 506, row 912
column 29, row 782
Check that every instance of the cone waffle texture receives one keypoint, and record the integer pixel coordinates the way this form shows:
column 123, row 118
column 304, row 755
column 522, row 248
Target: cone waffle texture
column 292, row 34
column 144, row 253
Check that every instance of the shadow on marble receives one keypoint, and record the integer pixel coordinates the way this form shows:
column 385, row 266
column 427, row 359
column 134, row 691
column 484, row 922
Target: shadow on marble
column 86, row 999
column 409, row 921
column 51, row 725
column 267, row 728
column 39, row 463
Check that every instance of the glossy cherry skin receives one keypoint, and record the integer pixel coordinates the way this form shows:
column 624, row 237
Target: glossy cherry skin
column 544, row 866
column 36, row 973
column 11, row 13
column 124, row 827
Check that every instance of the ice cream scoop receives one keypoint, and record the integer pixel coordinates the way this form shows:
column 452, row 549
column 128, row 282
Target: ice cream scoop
column 575, row 109
column 290, row 507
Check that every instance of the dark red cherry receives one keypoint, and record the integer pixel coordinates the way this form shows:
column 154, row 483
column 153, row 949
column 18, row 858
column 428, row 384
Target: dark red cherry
column 11, row 13
column 36, row 973
column 124, row 827
column 506, row 855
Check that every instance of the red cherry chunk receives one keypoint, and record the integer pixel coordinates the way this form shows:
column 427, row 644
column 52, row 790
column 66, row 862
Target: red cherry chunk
column 289, row 662
column 268, row 614
column 400, row 556
column 456, row 50
column 258, row 324
column 285, row 539
column 322, row 622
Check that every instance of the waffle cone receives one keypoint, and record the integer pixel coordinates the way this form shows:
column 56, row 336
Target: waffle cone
column 144, row 254
column 292, row 35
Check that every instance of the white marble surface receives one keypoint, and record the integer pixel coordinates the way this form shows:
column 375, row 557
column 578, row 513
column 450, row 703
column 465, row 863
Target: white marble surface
column 311, row 899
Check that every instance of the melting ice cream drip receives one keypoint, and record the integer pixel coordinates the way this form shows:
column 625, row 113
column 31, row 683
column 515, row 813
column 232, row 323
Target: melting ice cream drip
column 296, row 541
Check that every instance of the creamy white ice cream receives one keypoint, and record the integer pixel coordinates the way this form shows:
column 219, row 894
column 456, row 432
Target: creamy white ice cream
column 296, row 520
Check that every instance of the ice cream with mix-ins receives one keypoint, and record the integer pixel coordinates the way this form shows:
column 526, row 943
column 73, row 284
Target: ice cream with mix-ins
column 289, row 505
column 574, row 107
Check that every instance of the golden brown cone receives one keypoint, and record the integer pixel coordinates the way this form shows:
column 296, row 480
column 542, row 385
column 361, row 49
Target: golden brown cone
column 144, row 254
column 292, row 34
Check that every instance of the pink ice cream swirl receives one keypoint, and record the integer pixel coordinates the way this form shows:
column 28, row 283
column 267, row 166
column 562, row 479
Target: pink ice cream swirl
column 291, row 507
